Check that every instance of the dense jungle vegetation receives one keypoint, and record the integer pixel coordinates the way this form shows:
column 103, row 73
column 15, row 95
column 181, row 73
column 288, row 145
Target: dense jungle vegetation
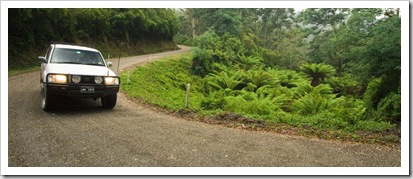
column 114, row 32
column 321, row 69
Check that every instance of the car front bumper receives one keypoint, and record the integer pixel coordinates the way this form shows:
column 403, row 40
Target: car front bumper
column 82, row 90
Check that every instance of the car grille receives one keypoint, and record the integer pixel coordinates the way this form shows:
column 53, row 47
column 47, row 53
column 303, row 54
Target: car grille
column 87, row 80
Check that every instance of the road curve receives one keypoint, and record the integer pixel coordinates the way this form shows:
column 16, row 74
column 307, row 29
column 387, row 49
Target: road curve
column 79, row 133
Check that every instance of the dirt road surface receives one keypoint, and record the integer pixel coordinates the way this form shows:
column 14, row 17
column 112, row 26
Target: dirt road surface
column 79, row 133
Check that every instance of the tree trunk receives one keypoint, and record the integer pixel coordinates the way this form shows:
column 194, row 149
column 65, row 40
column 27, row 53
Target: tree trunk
column 127, row 38
column 340, row 67
column 315, row 82
column 193, row 28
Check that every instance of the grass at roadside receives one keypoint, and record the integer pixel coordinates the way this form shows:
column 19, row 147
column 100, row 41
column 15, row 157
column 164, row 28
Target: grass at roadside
column 15, row 72
column 162, row 84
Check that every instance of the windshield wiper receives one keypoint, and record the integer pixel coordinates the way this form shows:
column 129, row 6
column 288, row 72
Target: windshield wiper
column 70, row 62
column 95, row 64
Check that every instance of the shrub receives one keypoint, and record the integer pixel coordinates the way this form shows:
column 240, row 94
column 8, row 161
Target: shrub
column 202, row 62
column 389, row 108
column 183, row 39
column 345, row 86
column 229, row 79
column 287, row 78
column 250, row 103
column 215, row 100
column 269, row 57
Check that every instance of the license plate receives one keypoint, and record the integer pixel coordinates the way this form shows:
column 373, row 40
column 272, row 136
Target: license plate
column 87, row 89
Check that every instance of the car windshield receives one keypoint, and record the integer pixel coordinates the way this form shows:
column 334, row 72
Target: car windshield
column 74, row 56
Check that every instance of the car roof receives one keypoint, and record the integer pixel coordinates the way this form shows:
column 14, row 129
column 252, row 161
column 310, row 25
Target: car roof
column 77, row 47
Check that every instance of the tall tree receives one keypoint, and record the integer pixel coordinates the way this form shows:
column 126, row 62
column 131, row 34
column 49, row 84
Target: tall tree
column 272, row 25
column 222, row 20
column 292, row 50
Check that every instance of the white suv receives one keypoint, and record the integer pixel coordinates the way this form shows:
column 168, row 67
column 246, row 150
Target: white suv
column 78, row 72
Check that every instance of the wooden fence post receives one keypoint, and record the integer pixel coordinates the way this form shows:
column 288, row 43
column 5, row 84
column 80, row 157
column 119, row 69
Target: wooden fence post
column 128, row 81
column 188, row 87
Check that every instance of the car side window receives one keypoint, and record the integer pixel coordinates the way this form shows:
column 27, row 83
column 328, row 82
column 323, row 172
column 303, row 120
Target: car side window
column 48, row 53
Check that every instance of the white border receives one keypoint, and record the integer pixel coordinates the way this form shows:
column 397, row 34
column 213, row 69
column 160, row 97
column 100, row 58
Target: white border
column 204, row 4
column 207, row 171
column 403, row 170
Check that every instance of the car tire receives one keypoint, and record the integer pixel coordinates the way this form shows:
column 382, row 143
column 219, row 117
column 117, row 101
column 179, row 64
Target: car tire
column 109, row 102
column 47, row 101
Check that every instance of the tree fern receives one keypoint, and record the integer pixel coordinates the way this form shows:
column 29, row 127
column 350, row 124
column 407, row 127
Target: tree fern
column 225, row 80
column 305, row 89
column 250, row 103
column 318, row 72
column 255, row 79
column 248, row 62
column 286, row 78
column 312, row 100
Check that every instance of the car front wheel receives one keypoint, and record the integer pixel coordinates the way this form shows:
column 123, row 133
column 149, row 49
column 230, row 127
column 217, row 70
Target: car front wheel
column 109, row 102
column 46, row 100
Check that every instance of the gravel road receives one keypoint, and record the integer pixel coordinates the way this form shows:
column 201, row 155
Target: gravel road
column 82, row 134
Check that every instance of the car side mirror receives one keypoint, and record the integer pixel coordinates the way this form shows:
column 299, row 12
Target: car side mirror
column 42, row 59
column 109, row 64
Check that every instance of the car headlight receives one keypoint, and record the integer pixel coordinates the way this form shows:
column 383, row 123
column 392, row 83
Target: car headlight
column 76, row 79
column 57, row 79
column 112, row 80
column 98, row 79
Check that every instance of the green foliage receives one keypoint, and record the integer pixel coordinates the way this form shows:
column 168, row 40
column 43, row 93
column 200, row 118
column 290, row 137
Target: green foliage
column 214, row 101
column 183, row 40
column 225, row 80
column 373, row 95
column 202, row 61
column 287, row 78
column 383, row 105
column 249, row 62
column 348, row 109
column 253, row 104
column 318, row 72
column 373, row 126
column 297, row 103
column 319, row 99
column 292, row 50
column 209, row 40
column 269, row 57
column 346, row 85
column 225, row 50
column 389, row 108
column 224, row 20
column 323, row 17
column 385, row 47
column 313, row 100
column 271, row 23
column 164, row 83
column 255, row 79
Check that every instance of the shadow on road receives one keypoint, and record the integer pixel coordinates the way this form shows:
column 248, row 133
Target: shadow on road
column 64, row 105
column 75, row 106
